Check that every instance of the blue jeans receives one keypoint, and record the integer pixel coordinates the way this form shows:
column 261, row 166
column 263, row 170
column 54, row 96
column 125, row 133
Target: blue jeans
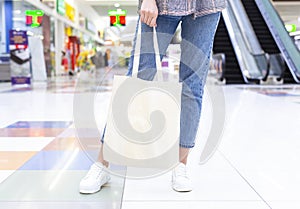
column 196, row 45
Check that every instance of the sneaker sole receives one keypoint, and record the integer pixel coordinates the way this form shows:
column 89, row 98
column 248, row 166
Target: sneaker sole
column 182, row 189
column 95, row 190
column 176, row 189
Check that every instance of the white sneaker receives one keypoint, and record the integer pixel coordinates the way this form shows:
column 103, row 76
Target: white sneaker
column 94, row 179
column 180, row 179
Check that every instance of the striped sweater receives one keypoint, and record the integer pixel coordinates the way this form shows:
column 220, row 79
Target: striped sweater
column 187, row 7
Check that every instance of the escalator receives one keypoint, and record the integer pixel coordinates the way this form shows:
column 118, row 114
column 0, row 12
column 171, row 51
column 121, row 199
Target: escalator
column 284, row 42
column 267, row 41
column 245, row 62
column 235, row 40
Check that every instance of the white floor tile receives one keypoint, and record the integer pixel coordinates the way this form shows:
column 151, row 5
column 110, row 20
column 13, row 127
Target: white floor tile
column 4, row 174
column 284, row 204
column 262, row 141
column 30, row 106
column 5, row 123
column 60, row 204
column 195, row 205
column 24, row 143
column 215, row 180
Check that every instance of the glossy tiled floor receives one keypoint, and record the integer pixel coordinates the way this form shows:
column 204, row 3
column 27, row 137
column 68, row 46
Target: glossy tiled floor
column 42, row 161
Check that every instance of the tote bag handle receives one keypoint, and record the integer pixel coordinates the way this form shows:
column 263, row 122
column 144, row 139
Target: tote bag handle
column 137, row 50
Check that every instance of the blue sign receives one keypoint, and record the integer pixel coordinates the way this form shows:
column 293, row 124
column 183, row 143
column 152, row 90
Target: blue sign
column 18, row 37
column 20, row 80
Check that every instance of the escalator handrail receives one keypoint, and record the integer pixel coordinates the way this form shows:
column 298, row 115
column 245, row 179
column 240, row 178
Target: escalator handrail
column 249, row 36
column 231, row 23
column 245, row 27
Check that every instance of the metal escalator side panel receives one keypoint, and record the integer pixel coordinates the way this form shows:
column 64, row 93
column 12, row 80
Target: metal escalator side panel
column 246, row 27
column 245, row 59
column 285, row 43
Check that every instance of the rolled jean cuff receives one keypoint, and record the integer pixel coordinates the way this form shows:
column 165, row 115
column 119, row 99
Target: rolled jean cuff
column 186, row 146
column 102, row 137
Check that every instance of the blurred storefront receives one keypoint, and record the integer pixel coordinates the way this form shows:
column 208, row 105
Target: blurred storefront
column 64, row 26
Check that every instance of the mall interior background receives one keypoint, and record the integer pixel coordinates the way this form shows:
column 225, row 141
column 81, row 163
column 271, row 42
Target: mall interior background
column 84, row 26
column 255, row 166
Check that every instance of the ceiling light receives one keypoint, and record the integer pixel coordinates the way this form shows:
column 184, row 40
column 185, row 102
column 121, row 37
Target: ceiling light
column 117, row 5
column 17, row 12
column 29, row 33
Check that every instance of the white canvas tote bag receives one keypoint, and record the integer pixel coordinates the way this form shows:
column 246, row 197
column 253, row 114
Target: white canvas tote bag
column 143, row 121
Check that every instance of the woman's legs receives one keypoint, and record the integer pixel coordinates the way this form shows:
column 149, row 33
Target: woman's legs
column 101, row 158
column 183, row 155
column 197, row 41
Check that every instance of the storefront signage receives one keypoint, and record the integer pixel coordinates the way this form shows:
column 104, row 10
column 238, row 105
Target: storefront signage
column 68, row 31
column 61, row 7
column 117, row 17
column 291, row 28
column 19, row 57
column 117, row 12
column 18, row 37
column 70, row 12
column 20, row 80
column 34, row 18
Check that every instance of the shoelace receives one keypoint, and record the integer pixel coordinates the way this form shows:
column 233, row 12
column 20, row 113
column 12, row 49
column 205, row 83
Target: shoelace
column 94, row 171
column 182, row 171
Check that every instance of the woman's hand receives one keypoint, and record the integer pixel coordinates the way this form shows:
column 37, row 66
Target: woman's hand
column 149, row 12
